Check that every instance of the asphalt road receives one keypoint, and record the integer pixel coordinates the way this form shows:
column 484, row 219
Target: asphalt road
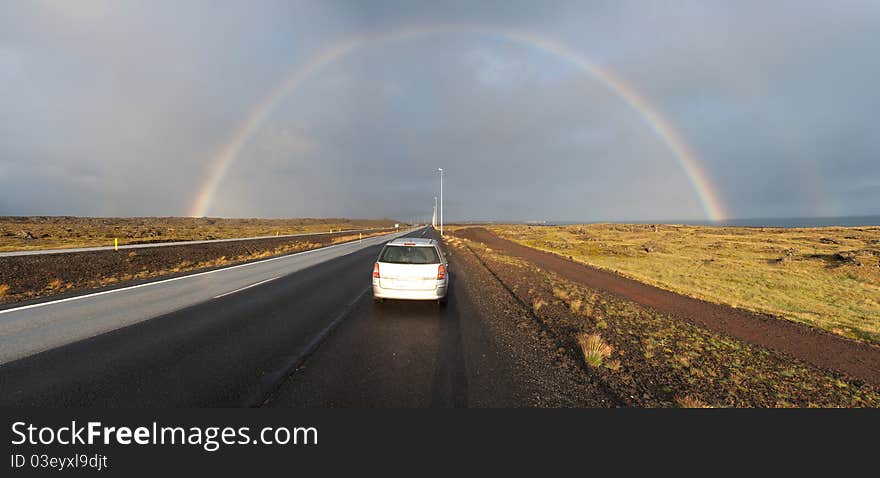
column 174, row 243
column 406, row 354
column 232, row 347
column 42, row 326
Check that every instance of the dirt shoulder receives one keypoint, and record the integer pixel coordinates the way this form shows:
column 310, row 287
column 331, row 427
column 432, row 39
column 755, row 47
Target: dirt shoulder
column 24, row 278
column 543, row 373
column 813, row 346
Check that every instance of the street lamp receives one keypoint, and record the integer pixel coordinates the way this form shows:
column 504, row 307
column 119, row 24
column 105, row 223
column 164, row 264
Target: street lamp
column 441, row 200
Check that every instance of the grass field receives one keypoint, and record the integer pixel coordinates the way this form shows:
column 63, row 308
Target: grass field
column 37, row 232
column 825, row 277
column 655, row 360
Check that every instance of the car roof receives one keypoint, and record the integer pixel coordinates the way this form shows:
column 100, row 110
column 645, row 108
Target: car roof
column 412, row 241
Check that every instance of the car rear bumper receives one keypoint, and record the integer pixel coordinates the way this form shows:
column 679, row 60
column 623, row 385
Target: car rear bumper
column 410, row 294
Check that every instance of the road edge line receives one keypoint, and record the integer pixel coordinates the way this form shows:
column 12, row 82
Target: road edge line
column 173, row 279
column 273, row 381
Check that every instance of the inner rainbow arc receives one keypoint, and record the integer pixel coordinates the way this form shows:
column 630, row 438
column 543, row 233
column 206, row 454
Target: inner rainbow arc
column 685, row 157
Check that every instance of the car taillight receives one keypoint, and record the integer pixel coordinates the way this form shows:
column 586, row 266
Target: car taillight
column 376, row 270
column 441, row 272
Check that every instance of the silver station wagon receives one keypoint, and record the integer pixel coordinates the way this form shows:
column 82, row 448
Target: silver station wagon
column 411, row 269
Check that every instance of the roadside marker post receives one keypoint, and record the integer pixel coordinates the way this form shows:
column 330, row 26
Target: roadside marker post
column 116, row 243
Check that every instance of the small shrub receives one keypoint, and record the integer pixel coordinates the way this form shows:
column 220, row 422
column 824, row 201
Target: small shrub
column 594, row 348
column 560, row 293
column 4, row 288
column 575, row 305
column 613, row 365
column 650, row 345
column 538, row 303
column 689, row 401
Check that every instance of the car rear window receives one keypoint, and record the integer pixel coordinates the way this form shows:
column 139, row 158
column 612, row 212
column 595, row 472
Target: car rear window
column 409, row 255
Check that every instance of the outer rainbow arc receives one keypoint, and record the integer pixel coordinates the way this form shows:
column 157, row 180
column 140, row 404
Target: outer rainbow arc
column 685, row 157
column 253, row 121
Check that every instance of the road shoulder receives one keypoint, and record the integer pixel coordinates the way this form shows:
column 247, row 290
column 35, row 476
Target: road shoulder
column 820, row 348
column 655, row 359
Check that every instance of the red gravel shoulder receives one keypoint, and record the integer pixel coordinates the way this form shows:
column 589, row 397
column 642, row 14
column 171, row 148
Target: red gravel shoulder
column 820, row 348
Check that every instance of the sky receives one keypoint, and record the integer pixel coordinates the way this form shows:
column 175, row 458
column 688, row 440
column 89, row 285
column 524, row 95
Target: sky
column 124, row 108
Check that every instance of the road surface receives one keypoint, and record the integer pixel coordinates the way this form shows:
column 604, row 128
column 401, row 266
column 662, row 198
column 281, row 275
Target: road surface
column 42, row 326
column 175, row 243
column 233, row 338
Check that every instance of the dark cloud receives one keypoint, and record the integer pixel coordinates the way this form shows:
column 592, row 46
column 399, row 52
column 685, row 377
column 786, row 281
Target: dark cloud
column 117, row 108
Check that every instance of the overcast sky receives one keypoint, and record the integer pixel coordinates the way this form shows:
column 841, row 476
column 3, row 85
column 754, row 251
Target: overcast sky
column 118, row 108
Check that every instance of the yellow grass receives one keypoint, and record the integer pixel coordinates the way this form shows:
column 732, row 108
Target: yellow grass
column 594, row 349
column 31, row 233
column 538, row 303
column 54, row 284
column 824, row 277
column 691, row 402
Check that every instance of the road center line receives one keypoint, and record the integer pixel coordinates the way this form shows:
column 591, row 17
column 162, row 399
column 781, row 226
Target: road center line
column 173, row 279
column 246, row 287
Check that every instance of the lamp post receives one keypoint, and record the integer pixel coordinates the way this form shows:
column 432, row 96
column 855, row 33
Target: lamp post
column 441, row 200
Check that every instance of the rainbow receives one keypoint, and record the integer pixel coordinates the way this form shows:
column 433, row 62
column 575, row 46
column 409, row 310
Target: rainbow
column 684, row 155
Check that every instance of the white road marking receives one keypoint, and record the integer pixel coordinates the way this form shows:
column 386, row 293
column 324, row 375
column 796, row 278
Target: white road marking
column 96, row 294
column 246, row 287
column 315, row 342
column 174, row 243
